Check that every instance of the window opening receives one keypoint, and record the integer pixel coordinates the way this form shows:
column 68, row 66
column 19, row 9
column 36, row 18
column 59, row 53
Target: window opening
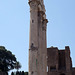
column 53, row 68
column 47, row 68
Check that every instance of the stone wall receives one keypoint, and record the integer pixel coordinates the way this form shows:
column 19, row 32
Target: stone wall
column 52, row 61
column 73, row 71
column 59, row 61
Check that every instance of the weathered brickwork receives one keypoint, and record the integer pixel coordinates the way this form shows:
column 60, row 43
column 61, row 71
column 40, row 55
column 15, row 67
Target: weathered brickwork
column 59, row 61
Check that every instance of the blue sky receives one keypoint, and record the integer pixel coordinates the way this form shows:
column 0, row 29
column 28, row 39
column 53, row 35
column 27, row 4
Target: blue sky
column 15, row 21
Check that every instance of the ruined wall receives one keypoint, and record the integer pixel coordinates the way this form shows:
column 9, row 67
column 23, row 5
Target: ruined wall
column 73, row 71
column 59, row 61
column 52, row 54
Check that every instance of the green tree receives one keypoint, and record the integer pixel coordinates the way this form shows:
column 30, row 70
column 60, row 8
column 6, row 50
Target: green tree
column 23, row 73
column 18, row 65
column 7, row 59
column 26, row 73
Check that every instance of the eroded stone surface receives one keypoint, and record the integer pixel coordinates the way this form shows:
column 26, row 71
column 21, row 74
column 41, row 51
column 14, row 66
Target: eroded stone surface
column 37, row 42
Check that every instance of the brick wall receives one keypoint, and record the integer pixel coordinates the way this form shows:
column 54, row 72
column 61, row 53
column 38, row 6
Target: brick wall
column 59, row 61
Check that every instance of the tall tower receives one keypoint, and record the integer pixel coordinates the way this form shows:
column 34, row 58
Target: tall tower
column 37, row 42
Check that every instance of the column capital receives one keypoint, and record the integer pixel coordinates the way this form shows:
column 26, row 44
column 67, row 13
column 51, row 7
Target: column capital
column 30, row 1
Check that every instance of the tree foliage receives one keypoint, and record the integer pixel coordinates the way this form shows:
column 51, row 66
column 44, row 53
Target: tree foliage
column 19, row 73
column 7, row 59
column 26, row 73
column 18, row 65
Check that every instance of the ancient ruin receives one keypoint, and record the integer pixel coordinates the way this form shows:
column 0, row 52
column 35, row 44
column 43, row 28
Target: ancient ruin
column 43, row 60
column 37, row 43
column 59, row 61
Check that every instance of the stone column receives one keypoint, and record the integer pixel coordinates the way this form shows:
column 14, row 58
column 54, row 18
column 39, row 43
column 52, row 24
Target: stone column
column 40, row 44
column 33, row 42
column 44, row 48
column 37, row 42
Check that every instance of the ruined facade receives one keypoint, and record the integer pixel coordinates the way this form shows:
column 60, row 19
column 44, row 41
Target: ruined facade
column 41, row 58
column 59, row 62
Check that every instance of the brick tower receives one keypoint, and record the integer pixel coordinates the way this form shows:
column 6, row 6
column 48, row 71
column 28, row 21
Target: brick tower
column 37, row 42
column 59, row 62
